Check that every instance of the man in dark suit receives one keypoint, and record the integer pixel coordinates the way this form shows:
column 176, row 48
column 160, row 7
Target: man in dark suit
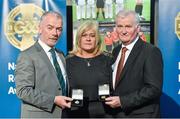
column 138, row 86
column 36, row 75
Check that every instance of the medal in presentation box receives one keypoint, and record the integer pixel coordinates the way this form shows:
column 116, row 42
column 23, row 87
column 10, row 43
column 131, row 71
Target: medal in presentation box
column 103, row 91
column 77, row 96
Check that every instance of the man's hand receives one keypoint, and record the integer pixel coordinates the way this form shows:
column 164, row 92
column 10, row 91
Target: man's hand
column 63, row 102
column 113, row 102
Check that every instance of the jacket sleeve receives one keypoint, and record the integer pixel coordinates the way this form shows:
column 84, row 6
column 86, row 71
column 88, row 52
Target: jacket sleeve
column 26, row 89
column 152, row 77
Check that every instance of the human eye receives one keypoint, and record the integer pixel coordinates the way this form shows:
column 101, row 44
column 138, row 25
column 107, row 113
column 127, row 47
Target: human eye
column 119, row 26
column 92, row 35
column 49, row 27
column 128, row 27
column 84, row 35
column 59, row 29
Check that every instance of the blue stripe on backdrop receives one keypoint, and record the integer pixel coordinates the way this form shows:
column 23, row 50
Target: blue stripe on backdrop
column 9, row 103
column 170, row 46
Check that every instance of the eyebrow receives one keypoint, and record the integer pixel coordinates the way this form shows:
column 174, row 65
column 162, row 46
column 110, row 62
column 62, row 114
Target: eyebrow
column 54, row 26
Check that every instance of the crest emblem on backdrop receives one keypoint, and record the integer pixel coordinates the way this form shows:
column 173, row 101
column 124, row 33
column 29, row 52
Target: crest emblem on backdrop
column 177, row 25
column 21, row 25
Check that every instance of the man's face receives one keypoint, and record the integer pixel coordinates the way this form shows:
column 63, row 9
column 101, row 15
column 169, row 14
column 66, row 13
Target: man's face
column 50, row 29
column 127, row 29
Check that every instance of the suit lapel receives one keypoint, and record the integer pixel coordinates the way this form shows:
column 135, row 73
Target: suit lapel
column 132, row 56
column 44, row 57
column 116, row 51
column 61, row 56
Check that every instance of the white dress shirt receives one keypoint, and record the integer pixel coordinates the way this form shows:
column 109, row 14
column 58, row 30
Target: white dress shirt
column 115, row 65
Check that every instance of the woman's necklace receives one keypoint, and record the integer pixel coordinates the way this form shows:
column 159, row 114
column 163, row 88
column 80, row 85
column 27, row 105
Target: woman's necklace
column 87, row 58
column 88, row 62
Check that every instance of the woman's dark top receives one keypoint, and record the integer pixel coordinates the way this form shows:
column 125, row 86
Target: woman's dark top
column 87, row 74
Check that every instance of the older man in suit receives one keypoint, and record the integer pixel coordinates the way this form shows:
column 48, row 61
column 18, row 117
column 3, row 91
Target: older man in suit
column 138, row 72
column 41, row 81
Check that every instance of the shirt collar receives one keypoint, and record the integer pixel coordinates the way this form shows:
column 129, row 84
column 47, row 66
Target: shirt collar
column 131, row 45
column 44, row 46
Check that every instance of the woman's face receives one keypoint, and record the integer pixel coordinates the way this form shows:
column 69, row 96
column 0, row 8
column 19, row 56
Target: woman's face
column 88, row 41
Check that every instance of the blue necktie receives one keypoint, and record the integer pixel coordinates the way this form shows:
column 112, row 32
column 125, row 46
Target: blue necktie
column 58, row 71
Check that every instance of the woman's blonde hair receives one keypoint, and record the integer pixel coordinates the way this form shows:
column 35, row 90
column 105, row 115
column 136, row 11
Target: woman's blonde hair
column 84, row 27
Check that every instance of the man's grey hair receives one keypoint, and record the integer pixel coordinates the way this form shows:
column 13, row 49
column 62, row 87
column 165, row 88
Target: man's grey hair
column 57, row 14
column 125, row 13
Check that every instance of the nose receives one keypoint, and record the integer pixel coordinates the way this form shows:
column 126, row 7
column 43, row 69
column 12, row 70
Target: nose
column 88, row 38
column 54, row 32
column 124, row 31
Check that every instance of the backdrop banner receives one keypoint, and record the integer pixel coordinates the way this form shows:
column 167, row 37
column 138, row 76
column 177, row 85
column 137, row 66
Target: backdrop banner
column 169, row 43
column 19, row 30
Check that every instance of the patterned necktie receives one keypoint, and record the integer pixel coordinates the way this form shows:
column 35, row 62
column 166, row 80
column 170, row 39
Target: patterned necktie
column 120, row 65
column 58, row 71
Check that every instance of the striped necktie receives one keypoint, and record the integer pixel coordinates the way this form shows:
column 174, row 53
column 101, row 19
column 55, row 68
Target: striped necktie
column 58, row 71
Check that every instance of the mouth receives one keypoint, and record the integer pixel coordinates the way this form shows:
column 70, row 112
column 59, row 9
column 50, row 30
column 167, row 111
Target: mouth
column 124, row 35
column 87, row 44
column 54, row 38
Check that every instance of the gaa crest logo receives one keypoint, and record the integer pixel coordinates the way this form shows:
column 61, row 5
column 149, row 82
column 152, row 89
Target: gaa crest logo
column 21, row 26
column 177, row 25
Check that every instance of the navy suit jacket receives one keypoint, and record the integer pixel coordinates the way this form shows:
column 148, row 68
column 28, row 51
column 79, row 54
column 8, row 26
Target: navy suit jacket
column 140, row 84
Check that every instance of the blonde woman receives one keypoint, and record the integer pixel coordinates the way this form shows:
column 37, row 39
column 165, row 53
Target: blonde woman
column 88, row 67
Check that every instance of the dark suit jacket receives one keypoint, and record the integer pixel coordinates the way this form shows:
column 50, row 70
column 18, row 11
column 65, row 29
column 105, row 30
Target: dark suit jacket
column 140, row 83
column 37, row 84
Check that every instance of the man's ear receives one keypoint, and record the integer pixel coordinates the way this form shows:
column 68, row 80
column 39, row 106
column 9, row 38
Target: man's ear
column 114, row 29
column 39, row 29
column 138, row 28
